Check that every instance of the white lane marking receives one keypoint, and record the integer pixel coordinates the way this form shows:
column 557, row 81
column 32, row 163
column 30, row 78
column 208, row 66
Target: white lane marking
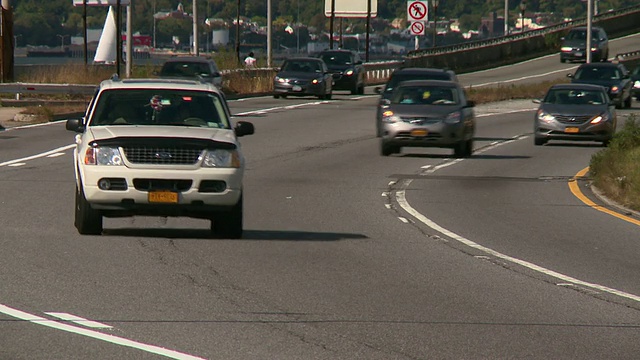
column 78, row 320
column 524, row 77
column 287, row 107
column 55, row 155
column 392, row 182
column 404, row 204
column 18, row 164
column 404, row 220
column 46, row 153
column 384, row 194
column 95, row 334
column 388, row 206
column 34, row 125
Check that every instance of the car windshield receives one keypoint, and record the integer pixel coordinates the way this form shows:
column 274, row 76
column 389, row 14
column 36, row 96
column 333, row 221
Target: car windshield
column 302, row 66
column 398, row 78
column 185, row 69
column 575, row 97
column 336, row 58
column 597, row 73
column 581, row 35
column 159, row 107
column 425, row 95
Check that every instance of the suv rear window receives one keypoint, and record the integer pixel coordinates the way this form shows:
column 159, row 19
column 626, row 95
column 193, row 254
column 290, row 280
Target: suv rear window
column 184, row 69
column 398, row 78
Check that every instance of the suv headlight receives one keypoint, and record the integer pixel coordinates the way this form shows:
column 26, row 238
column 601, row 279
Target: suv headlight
column 281, row 80
column 103, row 155
column 565, row 48
column 453, row 118
column 636, row 84
column 545, row 116
column 221, row 158
column 349, row 72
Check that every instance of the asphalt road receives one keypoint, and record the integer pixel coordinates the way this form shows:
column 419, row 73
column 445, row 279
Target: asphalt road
column 347, row 254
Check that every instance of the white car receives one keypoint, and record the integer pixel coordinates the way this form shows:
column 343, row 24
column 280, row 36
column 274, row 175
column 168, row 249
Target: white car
column 159, row 147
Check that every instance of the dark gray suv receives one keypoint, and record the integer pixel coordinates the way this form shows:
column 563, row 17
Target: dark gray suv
column 575, row 43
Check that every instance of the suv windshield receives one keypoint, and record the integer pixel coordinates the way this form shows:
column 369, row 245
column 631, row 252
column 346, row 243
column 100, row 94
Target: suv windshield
column 597, row 73
column 159, row 107
column 581, row 35
column 337, row 58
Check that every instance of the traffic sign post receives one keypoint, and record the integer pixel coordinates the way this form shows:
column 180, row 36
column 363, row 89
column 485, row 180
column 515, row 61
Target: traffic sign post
column 417, row 28
column 417, row 10
column 417, row 15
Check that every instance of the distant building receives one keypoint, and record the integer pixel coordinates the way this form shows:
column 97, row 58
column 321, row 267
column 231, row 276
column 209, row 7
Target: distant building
column 492, row 26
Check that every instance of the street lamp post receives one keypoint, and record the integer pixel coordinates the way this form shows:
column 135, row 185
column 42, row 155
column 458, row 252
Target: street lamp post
column 523, row 7
column 435, row 20
column 62, row 41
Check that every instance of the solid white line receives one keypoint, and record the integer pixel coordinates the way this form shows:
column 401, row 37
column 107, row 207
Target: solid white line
column 404, row 220
column 47, row 153
column 18, row 164
column 95, row 334
column 404, row 204
column 55, row 155
column 78, row 320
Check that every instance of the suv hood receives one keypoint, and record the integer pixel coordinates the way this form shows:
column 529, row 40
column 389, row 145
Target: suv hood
column 605, row 83
column 146, row 131
column 339, row 67
column 577, row 43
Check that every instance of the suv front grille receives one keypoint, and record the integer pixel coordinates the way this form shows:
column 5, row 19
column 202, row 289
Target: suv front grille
column 162, row 156
column 162, row 184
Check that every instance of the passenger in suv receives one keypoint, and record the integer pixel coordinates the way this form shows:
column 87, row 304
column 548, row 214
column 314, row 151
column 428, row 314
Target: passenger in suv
column 404, row 74
column 192, row 67
column 347, row 69
column 159, row 147
column 575, row 43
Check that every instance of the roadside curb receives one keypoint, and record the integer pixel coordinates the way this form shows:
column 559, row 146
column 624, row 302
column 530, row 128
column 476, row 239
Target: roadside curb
column 613, row 204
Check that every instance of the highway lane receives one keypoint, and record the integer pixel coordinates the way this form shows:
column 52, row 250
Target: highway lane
column 545, row 68
column 328, row 268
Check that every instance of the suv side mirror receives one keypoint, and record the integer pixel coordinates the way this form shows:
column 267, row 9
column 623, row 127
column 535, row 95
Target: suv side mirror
column 570, row 76
column 74, row 125
column 244, row 128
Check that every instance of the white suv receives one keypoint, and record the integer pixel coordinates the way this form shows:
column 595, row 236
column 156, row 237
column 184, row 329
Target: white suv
column 158, row 147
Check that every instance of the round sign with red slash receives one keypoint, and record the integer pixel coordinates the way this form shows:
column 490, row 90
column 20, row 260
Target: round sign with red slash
column 417, row 28
column 417, row 10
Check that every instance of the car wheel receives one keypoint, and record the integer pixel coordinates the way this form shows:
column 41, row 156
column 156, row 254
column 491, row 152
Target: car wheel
column 378, row 129
column 361, row 89
column 88, row 221
column 386, row 149
column 468, row 148
column 355, row 89
column 276, row 96
column 328, row 96
column 627, row 102
column 228, row 224
column 460, row 149
column 539, row 141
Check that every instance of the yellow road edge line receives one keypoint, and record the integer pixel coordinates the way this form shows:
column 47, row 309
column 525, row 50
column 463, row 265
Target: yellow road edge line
column 575, row 189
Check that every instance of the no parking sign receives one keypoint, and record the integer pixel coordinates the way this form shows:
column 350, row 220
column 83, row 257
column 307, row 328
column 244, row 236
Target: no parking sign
column 417, row 28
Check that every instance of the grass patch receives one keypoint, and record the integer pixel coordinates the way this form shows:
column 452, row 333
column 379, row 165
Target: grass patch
column 615, row 170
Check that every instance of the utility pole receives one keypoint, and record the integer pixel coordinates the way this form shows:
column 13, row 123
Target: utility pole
column 129, row 59
column 269, row 24
column 196, row 45
column 589, row 23
column 331, row 19
column 6, row 41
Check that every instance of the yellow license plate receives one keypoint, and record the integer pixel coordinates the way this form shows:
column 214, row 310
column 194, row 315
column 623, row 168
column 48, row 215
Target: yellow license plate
column 165, row 197
column 572, row 130
column 419, row 132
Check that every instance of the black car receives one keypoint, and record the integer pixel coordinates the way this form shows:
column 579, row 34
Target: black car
column 635, row 78
column 347, row 69
column 192, row 67
column 404, row 74
column 574, row 45
column 303, row 76
column 614, row 77
column 581, row 112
